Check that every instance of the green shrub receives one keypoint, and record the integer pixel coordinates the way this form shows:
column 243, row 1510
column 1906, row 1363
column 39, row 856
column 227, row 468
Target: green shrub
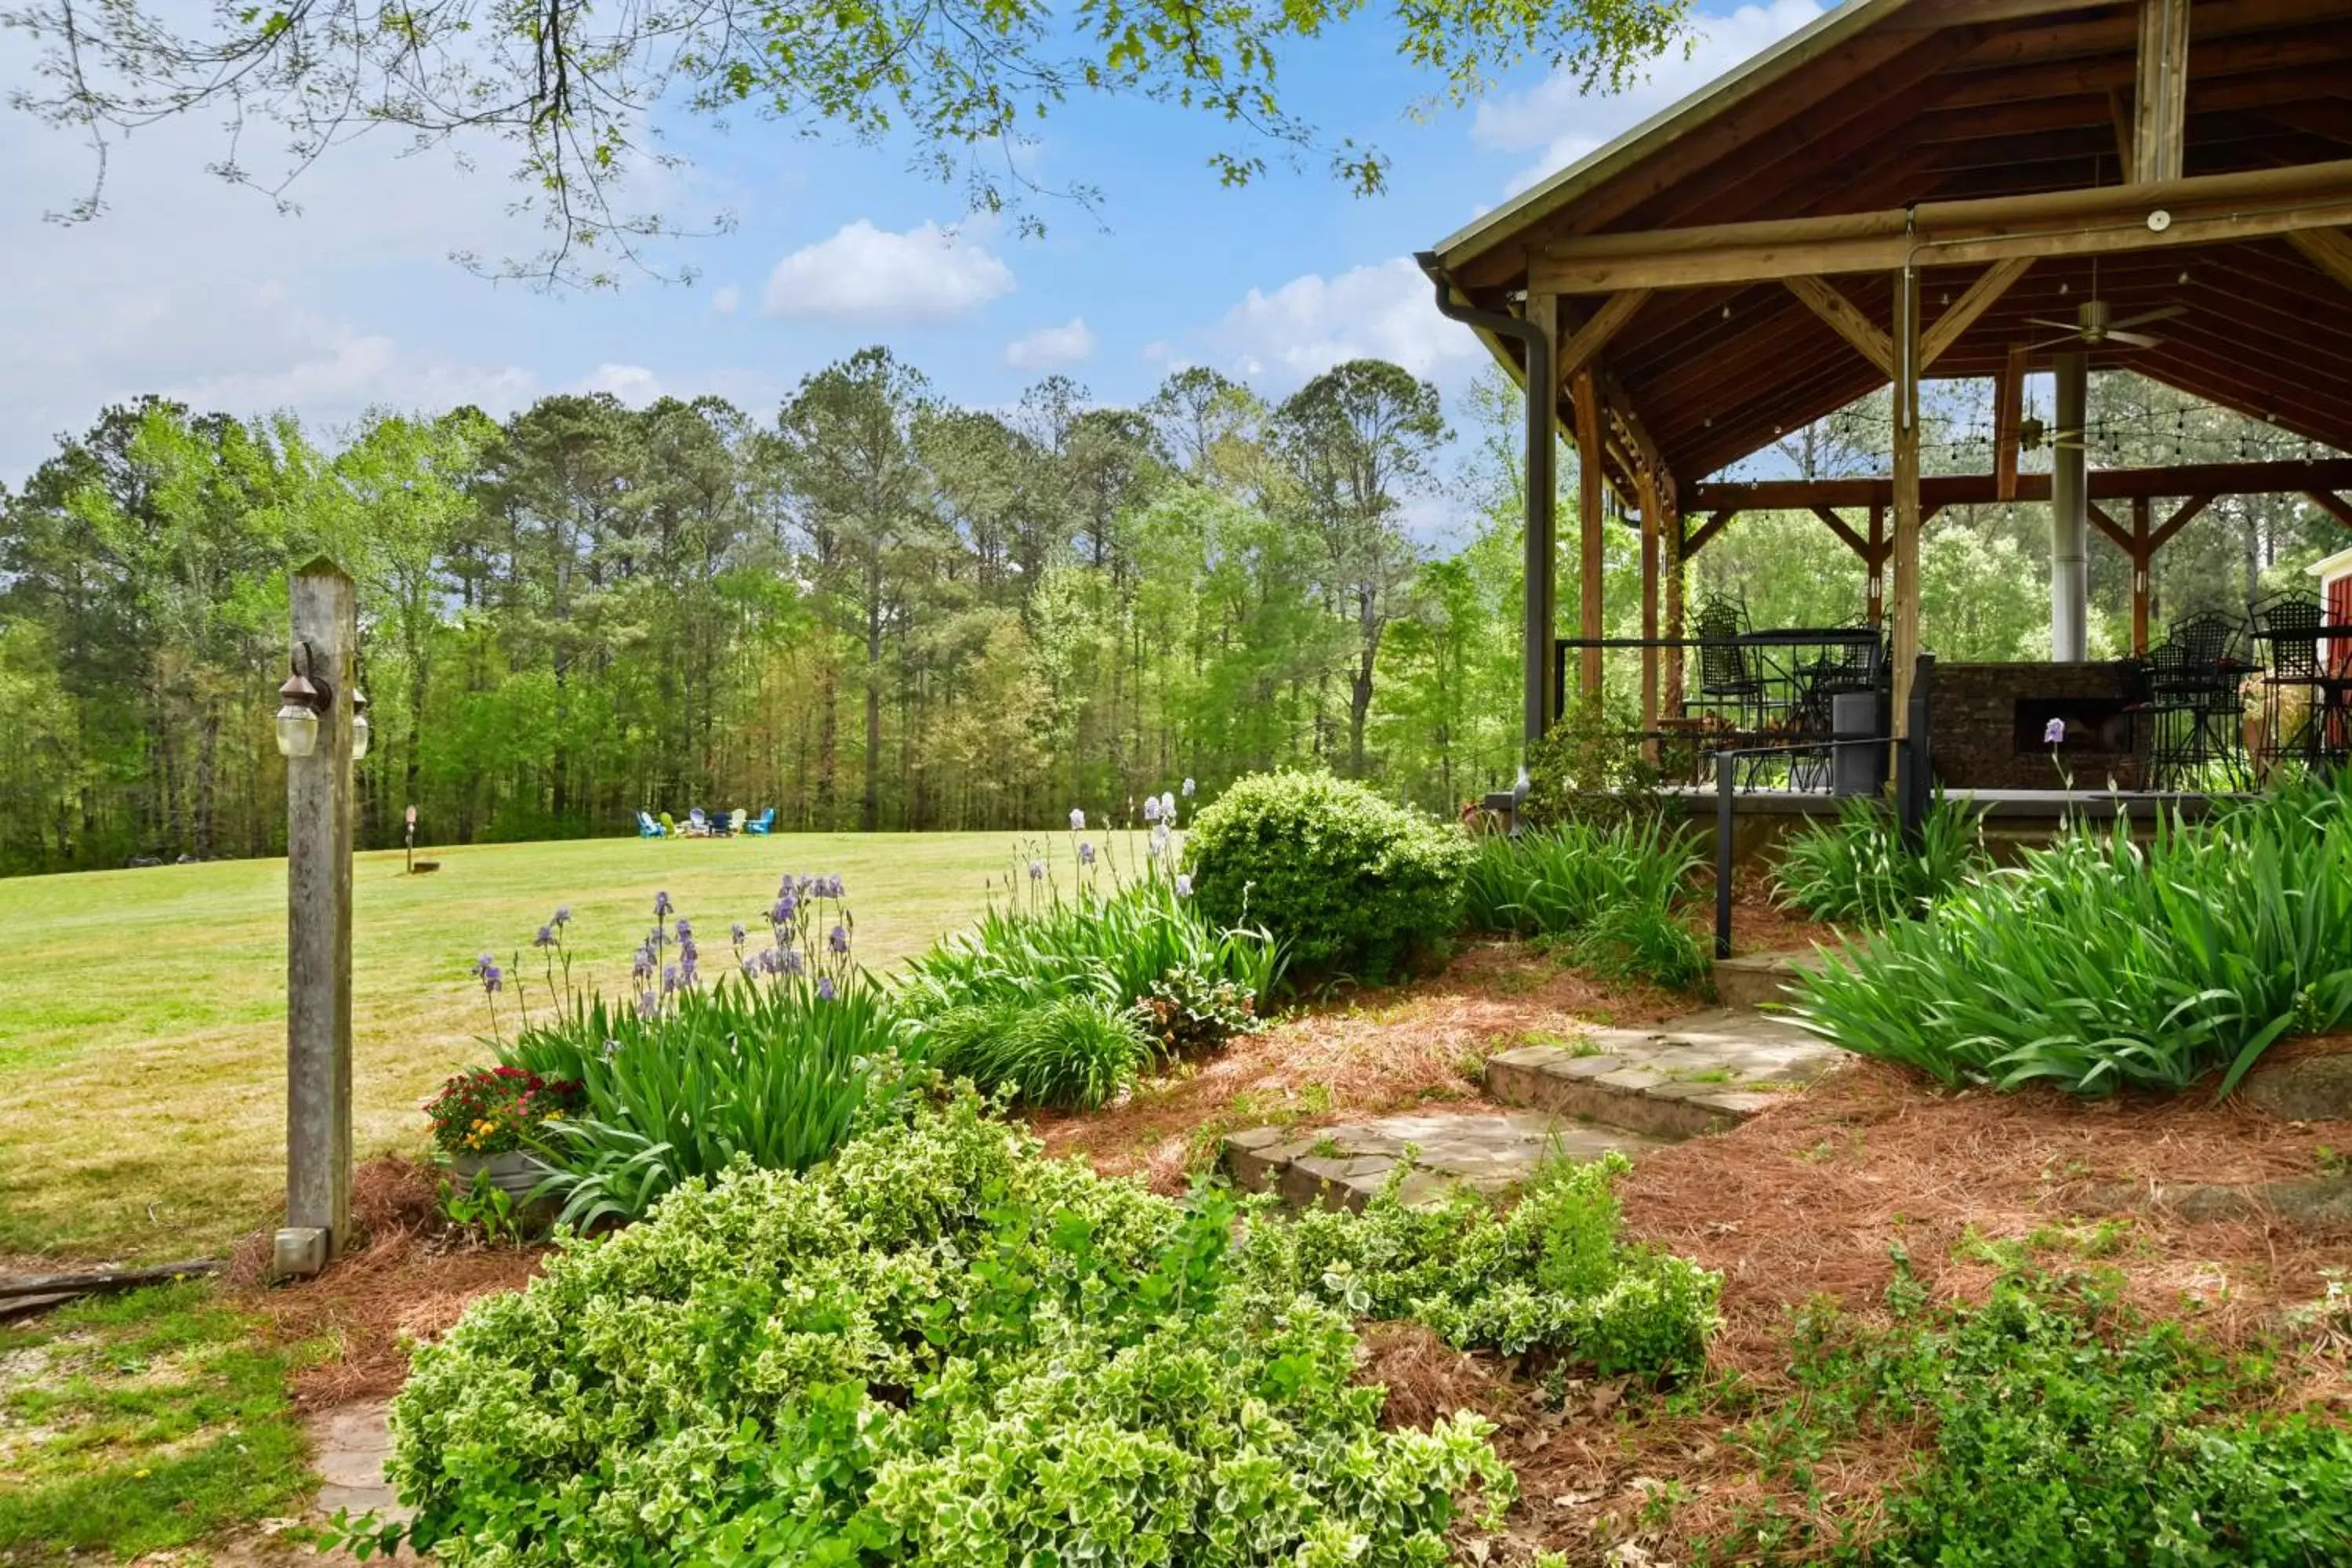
column 1191, row 1014
column 1349, row 882
column 1108, row 936
column 1072, row 1052
column 1641, row 939
column 2097, row 963
column 938, row 1348
column 1857, row 870
column 1589, row 768
column 2064, row 1432
column 1556, row 881
column 1549, row 1272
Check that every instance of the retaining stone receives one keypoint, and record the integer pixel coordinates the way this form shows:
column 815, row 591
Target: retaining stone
column 1346, row 1166
column 1700, row 1074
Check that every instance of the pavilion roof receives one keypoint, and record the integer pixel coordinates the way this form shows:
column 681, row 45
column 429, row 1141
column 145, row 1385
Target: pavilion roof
column 1903, row 108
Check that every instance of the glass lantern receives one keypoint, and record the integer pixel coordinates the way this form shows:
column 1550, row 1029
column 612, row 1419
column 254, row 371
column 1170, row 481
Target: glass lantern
column 362, row 730
column 298, row 730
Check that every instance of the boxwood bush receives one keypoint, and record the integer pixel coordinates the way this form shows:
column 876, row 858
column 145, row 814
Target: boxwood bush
column 1350, row 883
column 941, row 1348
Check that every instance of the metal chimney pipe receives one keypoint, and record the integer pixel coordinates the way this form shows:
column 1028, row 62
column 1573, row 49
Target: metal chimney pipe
column 2070, row 515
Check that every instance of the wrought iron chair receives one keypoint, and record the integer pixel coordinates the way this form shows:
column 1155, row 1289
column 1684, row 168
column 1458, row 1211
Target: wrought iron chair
column 2197, row 704
column 2301, row 702
column 1730, row 682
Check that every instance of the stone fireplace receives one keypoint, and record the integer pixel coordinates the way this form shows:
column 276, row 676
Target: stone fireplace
column 1990, row 724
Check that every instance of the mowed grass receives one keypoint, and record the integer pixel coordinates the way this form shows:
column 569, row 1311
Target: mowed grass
column 142, row 1040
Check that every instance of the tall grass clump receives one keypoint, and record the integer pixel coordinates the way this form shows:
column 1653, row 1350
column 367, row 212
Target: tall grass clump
column 2098, row 963
column 778, row 1060
column 1614, row 889
column 1071, row 1052
column 1854, row 870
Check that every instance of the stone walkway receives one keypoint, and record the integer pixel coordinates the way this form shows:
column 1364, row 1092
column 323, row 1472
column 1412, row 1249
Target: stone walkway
column 1626, row 1090
column 349, row 1446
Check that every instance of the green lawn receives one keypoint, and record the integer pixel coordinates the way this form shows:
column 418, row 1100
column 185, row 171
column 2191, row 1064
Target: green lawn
column 143, row 1033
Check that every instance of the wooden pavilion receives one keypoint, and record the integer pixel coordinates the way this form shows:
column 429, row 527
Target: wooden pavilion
column 1902, row 192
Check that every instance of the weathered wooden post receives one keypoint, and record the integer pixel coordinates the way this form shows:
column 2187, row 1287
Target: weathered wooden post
column 317, row 749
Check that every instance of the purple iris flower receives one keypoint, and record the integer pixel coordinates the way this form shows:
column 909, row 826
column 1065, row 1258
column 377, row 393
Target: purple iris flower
column 1167, row 805
column 838, row 939
column 562, row 915
column 738, row 932
column 1188, row 789
column 1086, row 852
column 648, row 1007
column 2055, row 733
column 825, row 986
column 1078, row 820
column 1151, row 808
column 1183, row 886
column 546, row 937
column 669, row 978
column 685, row 932
column 1036, row 870
column 662, row 905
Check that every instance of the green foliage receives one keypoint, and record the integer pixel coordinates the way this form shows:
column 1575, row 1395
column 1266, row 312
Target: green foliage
column 2063, row 1431
column 1653, row 941
column 936, row 1348
column 1556, row 881
column 2098, row 963
column 1189, row 1013
column 1549, row 1272
column 1109, row 937
column 1071, row 1052
column 141, row 1423
column 482, row 1205
column 771, row 1071
column 1589, row 768
column 1857, row 870
column 1348, row 881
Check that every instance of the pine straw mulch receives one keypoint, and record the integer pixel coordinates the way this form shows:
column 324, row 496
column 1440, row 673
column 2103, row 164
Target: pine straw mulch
column 1805, row 1201
column 410, row 1277
column 1358, row 1056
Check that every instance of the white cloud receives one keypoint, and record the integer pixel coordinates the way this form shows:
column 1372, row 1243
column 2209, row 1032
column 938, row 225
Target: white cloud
column 726, row 298
column 1052, row 348
column 632, row 384
column 1557, row 122
column 1312, row 322
column 863, row 273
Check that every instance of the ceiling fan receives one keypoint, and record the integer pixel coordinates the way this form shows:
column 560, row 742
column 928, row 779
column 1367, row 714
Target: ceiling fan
column 2095, row 327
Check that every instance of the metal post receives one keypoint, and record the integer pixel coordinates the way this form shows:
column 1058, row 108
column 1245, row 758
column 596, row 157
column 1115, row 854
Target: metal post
column 2070, row 514
column 1914, row 790
column 318, row 933
column 1725, row 771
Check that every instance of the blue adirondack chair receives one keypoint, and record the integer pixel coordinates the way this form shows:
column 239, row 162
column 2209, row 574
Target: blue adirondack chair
column 762, row 824
column 697, row 825
column 646, row 826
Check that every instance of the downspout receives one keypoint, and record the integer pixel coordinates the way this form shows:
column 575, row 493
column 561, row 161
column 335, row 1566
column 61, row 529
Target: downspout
column 1540, row 486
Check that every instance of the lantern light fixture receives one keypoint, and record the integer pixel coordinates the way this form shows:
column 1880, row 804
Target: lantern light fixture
column 362, row 730
column 300, row 702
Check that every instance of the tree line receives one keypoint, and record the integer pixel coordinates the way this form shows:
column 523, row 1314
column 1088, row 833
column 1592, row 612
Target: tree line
column 876, row 609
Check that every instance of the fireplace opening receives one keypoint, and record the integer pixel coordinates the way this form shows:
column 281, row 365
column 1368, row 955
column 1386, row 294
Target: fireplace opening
column 2095, row 726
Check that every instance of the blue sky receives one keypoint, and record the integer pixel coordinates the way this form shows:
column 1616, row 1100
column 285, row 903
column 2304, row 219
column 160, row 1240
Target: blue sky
column 191, row 286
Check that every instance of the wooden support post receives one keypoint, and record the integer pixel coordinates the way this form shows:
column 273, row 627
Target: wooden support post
column 1589, row 504
column 1646, row 483
column 1876, row 586
column 1670, row 695
column 2143, row 562
column 2161, row 104
column 1541, row 552
column 2008, row 414
column 1906, row 339
column 318, row 932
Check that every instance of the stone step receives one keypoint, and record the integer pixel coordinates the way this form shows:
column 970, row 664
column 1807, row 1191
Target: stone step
column 1754, row 979
column 1699, row 1074
column 1345, row 1166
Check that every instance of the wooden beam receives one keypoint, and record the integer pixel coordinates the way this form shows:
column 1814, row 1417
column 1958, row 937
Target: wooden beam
column 1706, row 532
column 2119, row 110
column 1981, row 296
column 1670, row 529
column 2328, row 250
column 2111, row 528
column 1587, row 395
column 1590, row 339
column 2008, row 414
column 1875, row 575
column 2333, row 504
column 1853, row 542
column 2200, row 210
column 2180, row 518
column 1906, row 498
column 1848, row 323
column 2298, row 477
column 2142, row 552
column 2160, row 97
column 1540, row 556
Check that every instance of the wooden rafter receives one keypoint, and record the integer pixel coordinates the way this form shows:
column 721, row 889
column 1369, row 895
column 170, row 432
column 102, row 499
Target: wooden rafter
column 1699, row 537
column 2182, row 516
column 1853, row 542
column 1848, row 323
column 2328, row 249
column 2334, row 504
column 1584, row 346
column 2113, row 530
column 1982, row 295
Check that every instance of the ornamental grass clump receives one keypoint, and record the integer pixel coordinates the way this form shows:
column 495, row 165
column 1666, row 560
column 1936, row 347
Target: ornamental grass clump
column 936, row 1348
column 1614, row 890
column 2099, row 964
column 1070, row 1052
column 776, row 1060
column 1856, row 871
column 1352, row 884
